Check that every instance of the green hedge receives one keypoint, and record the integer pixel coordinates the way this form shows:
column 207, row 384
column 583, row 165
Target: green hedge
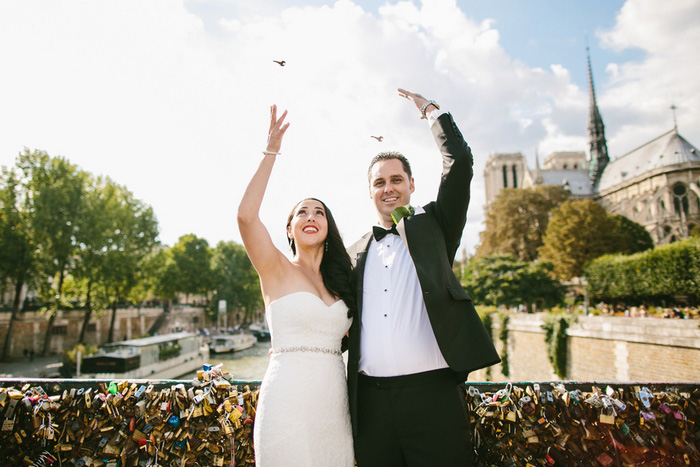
column 665, row 272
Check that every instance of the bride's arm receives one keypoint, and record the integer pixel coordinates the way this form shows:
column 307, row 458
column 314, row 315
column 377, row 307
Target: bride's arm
column 258, row 244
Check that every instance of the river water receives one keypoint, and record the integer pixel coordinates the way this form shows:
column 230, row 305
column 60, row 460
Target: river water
column 245, row 365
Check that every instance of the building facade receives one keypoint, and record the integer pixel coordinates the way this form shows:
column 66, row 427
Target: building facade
column 656, row 185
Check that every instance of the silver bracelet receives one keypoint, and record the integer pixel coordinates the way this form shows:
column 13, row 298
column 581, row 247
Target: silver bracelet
column 425, row 106
column 270, row 153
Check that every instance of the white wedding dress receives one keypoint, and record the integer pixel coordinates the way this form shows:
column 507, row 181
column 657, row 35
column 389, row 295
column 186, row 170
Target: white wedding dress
column 302, row 417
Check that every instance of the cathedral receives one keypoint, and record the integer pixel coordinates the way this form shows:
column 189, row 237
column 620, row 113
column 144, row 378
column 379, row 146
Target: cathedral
column 656, row 185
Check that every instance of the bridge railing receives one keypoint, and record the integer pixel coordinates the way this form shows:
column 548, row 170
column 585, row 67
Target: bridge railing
column 209, row 421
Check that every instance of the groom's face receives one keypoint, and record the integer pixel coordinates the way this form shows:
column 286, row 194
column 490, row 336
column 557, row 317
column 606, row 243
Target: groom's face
column 389, row 187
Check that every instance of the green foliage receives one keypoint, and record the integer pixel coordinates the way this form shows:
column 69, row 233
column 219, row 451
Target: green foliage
column 661, row 273
column 503, row 337
column 192, row 258
column 555, row 327
column 517, row 219
column 162, row 273
column 503, row 280
column 580, row 231
column 631, row 237
column 487, row 320
column 63, row 224
column 169, row 350
column 235, row 279
column 68, row 357
column 18, row 249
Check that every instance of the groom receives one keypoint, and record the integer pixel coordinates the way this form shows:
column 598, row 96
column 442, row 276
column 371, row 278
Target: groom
column 416, row 336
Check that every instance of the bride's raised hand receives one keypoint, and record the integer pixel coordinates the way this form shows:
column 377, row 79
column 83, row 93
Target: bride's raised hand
column 277, row 129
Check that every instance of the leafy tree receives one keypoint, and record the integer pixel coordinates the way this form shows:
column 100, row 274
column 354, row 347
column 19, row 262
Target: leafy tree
column 503, row 280
column 517, row 220
column 55, row 187
column 101, row 203
column 131, row 238
column 236, row 281
column 631, row 237
column 162, row 275
column 578, row 232
column 18, row 250
column 192, row 257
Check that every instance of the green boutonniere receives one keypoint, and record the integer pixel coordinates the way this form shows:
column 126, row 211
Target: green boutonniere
column 401, row 212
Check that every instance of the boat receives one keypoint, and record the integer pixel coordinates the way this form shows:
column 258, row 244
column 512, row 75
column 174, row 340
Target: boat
column 158, row 357
column 222, row 343
column 260, row 331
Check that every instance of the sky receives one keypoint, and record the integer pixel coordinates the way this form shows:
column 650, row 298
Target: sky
column 170, row 98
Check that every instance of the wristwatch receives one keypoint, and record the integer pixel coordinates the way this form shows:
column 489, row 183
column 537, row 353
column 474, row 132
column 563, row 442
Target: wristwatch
column 425, row 106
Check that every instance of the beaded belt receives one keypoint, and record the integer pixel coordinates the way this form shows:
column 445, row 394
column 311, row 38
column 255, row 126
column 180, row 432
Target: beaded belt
column 303, row 348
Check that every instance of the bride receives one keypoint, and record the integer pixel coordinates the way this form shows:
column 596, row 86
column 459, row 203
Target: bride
column 302, row 416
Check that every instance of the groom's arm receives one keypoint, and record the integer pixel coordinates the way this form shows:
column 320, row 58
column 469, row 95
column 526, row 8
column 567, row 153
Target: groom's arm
column 453, row 197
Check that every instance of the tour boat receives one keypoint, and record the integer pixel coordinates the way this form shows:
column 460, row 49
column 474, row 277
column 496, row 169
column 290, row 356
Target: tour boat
column 222, row 343
column 158, row 357
column 260, row 331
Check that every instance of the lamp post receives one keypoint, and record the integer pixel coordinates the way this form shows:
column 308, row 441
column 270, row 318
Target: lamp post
column 584, row 282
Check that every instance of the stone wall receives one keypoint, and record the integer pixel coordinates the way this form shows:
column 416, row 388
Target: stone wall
column 30, row 329
column 601, row 348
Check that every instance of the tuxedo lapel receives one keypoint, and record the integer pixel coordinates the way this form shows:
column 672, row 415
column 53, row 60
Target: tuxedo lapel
column 359, row 256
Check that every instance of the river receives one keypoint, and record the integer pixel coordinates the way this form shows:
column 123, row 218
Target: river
column 245, row 365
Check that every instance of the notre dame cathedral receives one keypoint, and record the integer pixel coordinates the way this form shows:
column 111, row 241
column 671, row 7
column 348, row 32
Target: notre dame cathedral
column 655, row 185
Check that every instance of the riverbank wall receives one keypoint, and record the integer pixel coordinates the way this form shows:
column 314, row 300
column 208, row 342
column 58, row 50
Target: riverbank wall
column 29, row 330
column 599, row 348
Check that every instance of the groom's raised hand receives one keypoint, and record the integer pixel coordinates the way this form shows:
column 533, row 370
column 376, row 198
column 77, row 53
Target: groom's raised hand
column 418, row 101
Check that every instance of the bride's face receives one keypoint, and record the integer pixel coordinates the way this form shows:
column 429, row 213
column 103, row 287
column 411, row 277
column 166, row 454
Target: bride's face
column 309, row 225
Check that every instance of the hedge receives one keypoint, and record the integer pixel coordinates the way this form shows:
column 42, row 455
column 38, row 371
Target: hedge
column 665, row 272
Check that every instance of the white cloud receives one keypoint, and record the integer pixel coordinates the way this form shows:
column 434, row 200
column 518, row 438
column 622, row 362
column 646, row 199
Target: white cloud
column 146, row 93
column 641, row 92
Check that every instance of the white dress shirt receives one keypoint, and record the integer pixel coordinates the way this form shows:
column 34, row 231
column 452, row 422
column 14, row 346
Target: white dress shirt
column 396, row 336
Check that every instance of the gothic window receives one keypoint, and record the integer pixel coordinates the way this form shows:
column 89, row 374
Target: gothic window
column 575, row 166
column 566, row 166
column 515, row 177
column 680, row 198
column 505, row 177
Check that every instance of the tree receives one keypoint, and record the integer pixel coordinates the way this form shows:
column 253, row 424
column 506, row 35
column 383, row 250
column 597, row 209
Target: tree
column 55, row 188
column 503, row 280
column 631, row 237
column 517, row 220
column 236, row 281
column 18, row 251
column 162, row 274
column 101, row 202
column 578, row 232
column 130, row 240
column 192, row 257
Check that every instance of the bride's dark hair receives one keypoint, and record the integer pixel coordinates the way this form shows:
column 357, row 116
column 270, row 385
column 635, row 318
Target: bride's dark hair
column 336, row 267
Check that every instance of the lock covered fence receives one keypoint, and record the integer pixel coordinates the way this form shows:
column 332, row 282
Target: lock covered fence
column 209, row 421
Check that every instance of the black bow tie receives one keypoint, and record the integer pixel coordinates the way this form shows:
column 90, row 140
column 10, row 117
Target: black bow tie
column 380, row 232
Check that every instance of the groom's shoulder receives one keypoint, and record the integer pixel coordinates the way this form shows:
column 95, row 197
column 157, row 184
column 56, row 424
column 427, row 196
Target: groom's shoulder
column 359, row 245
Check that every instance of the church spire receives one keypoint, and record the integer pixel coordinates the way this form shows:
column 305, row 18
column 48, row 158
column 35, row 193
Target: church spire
column 596, row 134
column 539, row 180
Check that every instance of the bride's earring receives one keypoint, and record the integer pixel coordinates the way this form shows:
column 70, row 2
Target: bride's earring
column 326, row 246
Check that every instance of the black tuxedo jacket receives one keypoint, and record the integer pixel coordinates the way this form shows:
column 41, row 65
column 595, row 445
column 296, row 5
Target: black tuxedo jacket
column 432, row 239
